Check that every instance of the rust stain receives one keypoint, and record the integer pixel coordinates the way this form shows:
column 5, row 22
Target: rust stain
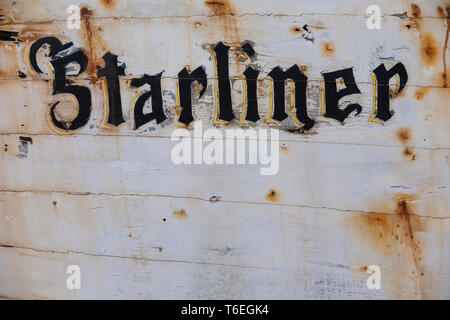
column 415, row 10
column 404, row 211
column 416, row 17
column 428, row 49
column 420, row 93
column 428, row 44
column 440, row 11
column 404, row 134
column 93, row 41
column 225, row 12
column 284, row 148
column 390, row 229
column 296, row 29
column 408, row 152
column 400, row 94
column 180, row 213
column 328, row 48
column 108, row 3
column 34, row 32
column 444, row 50
column 221, row 7
column 272, row 195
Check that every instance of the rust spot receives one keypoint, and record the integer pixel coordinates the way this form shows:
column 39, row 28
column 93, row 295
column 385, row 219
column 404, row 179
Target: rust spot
column 220, row 7
column 415, row 10
column 363, row 268
column 54, row 202
column 407, row 151
column 296, row 29
column 420, row 93
column 404, row 134
column 272, row 195
column 284, row 148
column 428, row 49
column 108, row 3
column 130, row 235
column 303, row 68
column 180, row 213
column 328, row 48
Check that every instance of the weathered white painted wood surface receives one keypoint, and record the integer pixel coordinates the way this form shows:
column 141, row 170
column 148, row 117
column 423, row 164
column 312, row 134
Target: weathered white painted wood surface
column 345, row 197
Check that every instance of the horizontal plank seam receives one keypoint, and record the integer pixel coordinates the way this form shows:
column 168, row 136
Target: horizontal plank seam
column 241, row 15
column 75, row 135
column 86, row 193
column 138, row 258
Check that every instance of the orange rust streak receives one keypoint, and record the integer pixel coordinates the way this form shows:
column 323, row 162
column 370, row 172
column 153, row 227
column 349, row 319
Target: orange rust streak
column 394, row 234
column 440, row 11
column 93, row 42
column 403, row 211
column 415, row 10
column 444, row 50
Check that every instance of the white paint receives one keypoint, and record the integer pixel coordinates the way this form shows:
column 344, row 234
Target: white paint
column 112, row 201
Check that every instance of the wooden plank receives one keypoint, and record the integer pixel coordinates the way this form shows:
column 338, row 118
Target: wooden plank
column 111, row 200
column 22, row 11
column 324, row 47
column 426, row 120
column 311, row 253
column 308, row 173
